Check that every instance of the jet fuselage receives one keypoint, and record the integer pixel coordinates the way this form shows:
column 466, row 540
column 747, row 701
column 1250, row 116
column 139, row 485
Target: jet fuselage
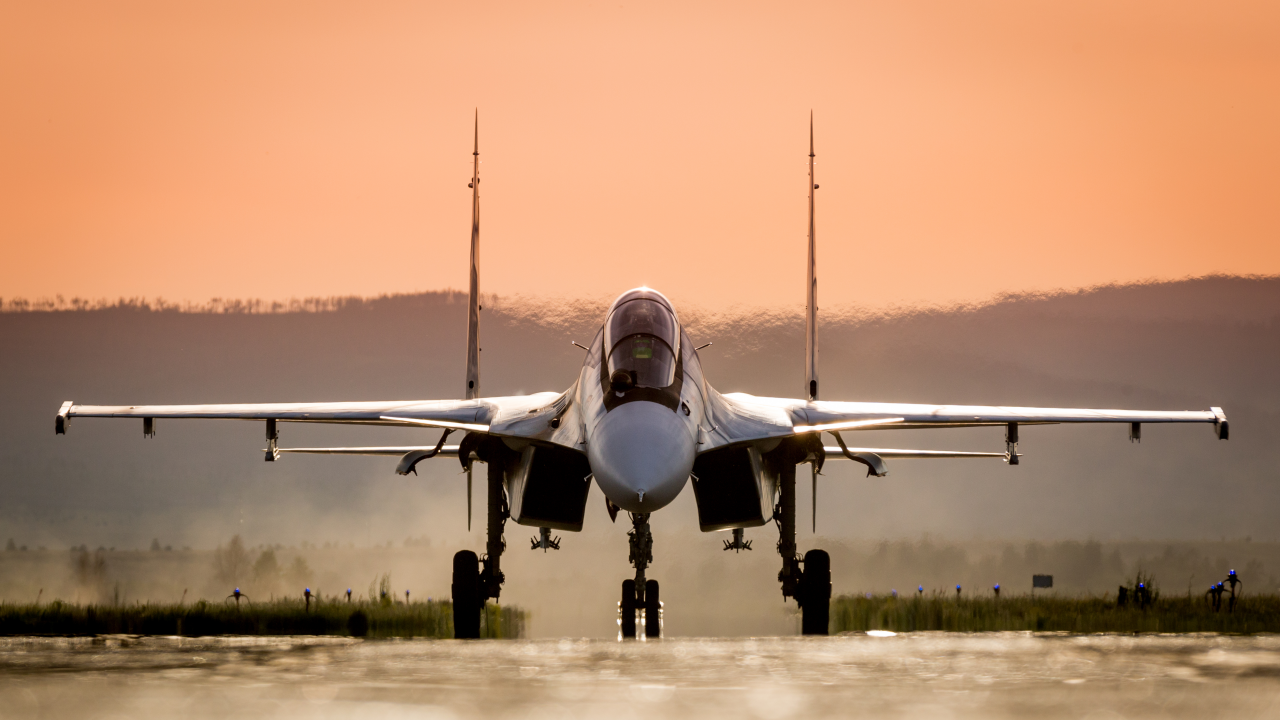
column 643, row 398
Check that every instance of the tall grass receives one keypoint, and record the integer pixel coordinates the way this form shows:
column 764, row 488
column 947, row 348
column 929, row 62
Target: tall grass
column 432, row 619
column 1253, row 614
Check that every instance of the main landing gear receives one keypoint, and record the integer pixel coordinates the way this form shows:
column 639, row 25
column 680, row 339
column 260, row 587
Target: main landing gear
column 807, row 580
column 640, row 596
column 475, row 580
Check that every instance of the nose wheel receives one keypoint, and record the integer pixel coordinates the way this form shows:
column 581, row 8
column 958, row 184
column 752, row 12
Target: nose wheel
column 640, row 611
column 640, row 597
column 652, row 610
column 627, row 610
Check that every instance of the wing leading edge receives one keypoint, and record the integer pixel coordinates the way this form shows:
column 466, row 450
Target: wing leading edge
column 739, row 418
column 523, row 416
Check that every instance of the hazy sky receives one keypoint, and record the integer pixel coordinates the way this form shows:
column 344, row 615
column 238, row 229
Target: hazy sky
column 275, row 149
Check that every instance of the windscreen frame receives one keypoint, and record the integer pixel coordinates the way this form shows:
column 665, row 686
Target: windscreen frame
column 673, row 329
column 612, row 338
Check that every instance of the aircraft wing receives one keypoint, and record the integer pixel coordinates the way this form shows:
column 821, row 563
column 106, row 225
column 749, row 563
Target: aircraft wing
column 739, row 418
column 526, row 416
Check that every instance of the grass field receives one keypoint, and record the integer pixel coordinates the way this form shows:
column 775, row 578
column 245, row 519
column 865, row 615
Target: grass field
column 1253, row 614
column 280, row 617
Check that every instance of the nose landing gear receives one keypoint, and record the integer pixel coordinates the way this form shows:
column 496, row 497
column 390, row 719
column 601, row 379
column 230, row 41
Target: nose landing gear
column 640, row 594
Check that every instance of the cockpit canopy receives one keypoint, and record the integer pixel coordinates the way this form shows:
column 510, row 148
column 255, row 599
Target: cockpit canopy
column 642, row 337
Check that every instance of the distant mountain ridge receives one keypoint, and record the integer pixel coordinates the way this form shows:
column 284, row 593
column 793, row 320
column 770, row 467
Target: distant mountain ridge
column 1208, row 296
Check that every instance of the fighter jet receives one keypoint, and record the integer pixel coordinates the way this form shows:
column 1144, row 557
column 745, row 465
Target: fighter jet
column 642, row 422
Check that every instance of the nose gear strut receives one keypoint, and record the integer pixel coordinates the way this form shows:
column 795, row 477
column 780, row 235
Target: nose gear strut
column 641, row 546
column 640, row 594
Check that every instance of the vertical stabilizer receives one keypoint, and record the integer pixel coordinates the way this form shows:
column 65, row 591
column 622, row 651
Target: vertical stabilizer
column 473, row 299
column 811, row 316
column 811, row 291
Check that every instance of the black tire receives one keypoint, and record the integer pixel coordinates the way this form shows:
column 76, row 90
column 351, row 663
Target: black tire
column 466, row 595
column 629, row 609
column 815, row 593
column 652, row 611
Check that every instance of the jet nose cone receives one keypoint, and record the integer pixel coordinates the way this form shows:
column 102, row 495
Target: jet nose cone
column 641, row 455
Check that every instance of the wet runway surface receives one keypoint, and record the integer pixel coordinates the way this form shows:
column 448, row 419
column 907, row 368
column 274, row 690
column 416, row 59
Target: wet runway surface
column 924, row 675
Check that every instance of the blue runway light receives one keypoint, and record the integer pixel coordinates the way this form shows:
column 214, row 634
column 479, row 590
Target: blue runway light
column 920, row 589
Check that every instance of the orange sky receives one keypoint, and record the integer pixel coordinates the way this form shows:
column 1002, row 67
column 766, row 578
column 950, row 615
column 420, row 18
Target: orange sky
column 277, row 149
